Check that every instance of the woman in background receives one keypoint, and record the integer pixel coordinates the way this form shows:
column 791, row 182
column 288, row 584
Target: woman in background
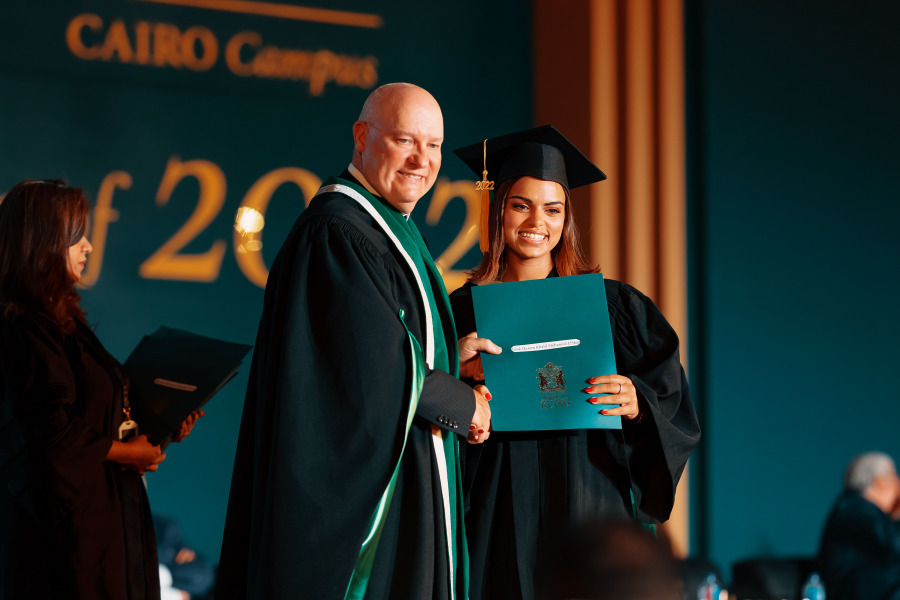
column 524, row 486
column 74, row 517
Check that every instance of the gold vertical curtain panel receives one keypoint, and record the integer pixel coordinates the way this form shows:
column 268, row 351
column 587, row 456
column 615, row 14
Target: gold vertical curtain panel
column 616, row 87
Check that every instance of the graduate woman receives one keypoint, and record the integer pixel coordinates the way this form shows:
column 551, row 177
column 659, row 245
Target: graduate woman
column 522, row 486
column 74, row 517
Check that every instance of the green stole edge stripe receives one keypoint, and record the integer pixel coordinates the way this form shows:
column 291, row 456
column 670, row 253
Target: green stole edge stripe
column 648, row 526
column 359, row 580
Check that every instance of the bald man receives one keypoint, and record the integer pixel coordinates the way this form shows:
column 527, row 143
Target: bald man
column 346, row 480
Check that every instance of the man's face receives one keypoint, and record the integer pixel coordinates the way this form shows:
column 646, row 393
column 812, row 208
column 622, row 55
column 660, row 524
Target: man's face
column 400, row 147
column 893, row 484
column 886, row 488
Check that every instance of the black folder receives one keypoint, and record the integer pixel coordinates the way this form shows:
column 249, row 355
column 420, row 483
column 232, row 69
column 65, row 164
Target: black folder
column 172, row 373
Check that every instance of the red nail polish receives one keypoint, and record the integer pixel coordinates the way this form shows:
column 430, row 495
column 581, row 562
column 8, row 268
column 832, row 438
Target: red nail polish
column 471, row 427
column 487, row 396
column 602, row 412
column 481, row 431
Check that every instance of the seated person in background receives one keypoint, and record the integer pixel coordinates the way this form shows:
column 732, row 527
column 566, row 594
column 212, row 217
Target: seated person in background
column 605, row 559
column 859, row 555
column 184, row 574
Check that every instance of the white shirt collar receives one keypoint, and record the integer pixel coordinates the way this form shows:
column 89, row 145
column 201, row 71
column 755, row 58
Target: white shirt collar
column 357, row 174
column 362, row 179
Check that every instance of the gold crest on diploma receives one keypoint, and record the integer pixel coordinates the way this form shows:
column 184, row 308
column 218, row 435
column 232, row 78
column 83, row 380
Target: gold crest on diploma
column 552, row 383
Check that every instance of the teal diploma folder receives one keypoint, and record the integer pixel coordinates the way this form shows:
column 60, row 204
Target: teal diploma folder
column 555, row 335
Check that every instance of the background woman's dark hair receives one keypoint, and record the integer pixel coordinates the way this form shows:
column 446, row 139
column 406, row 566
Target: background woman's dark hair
column 39, row 221
column 567, row 256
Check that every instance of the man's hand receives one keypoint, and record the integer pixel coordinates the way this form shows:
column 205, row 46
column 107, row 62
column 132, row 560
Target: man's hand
column 480, row 429
column 470, row 349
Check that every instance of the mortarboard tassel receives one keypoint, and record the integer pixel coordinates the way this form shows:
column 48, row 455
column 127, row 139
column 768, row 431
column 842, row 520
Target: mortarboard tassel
column 485, row 186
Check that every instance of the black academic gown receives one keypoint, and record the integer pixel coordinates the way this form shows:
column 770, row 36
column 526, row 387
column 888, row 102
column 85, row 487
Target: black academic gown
column 324, row 421
column 71, row 524
column 859, row 555
column 523, row 487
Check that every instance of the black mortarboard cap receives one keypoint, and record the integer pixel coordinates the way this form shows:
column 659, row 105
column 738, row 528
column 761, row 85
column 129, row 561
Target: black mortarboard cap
column 542, row 152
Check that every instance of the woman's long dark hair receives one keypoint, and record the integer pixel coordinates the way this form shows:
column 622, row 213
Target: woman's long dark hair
column 39, row 221
column 567, row 256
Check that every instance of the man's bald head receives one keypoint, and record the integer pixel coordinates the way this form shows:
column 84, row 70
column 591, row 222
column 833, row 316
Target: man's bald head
column 381, row 95
column 397, row 143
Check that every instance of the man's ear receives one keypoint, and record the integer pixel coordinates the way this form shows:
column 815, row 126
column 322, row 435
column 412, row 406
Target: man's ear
column 360, row 133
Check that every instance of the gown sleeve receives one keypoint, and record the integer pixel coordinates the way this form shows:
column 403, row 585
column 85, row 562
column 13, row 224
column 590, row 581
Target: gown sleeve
column 47, row 448
column 446, row 402
column 658, row 447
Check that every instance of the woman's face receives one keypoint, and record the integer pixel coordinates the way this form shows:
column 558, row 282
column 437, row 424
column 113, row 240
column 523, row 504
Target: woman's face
column 533, row 218
column 78, row 257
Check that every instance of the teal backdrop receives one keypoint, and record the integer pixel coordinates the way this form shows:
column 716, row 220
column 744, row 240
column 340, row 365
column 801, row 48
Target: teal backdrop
column 171, row 118
column 793, row 127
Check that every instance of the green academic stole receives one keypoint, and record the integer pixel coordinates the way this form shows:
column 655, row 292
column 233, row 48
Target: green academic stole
column 406, row 237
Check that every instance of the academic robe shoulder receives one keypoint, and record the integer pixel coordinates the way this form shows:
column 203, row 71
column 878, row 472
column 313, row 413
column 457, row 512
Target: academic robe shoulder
column 324, row 423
